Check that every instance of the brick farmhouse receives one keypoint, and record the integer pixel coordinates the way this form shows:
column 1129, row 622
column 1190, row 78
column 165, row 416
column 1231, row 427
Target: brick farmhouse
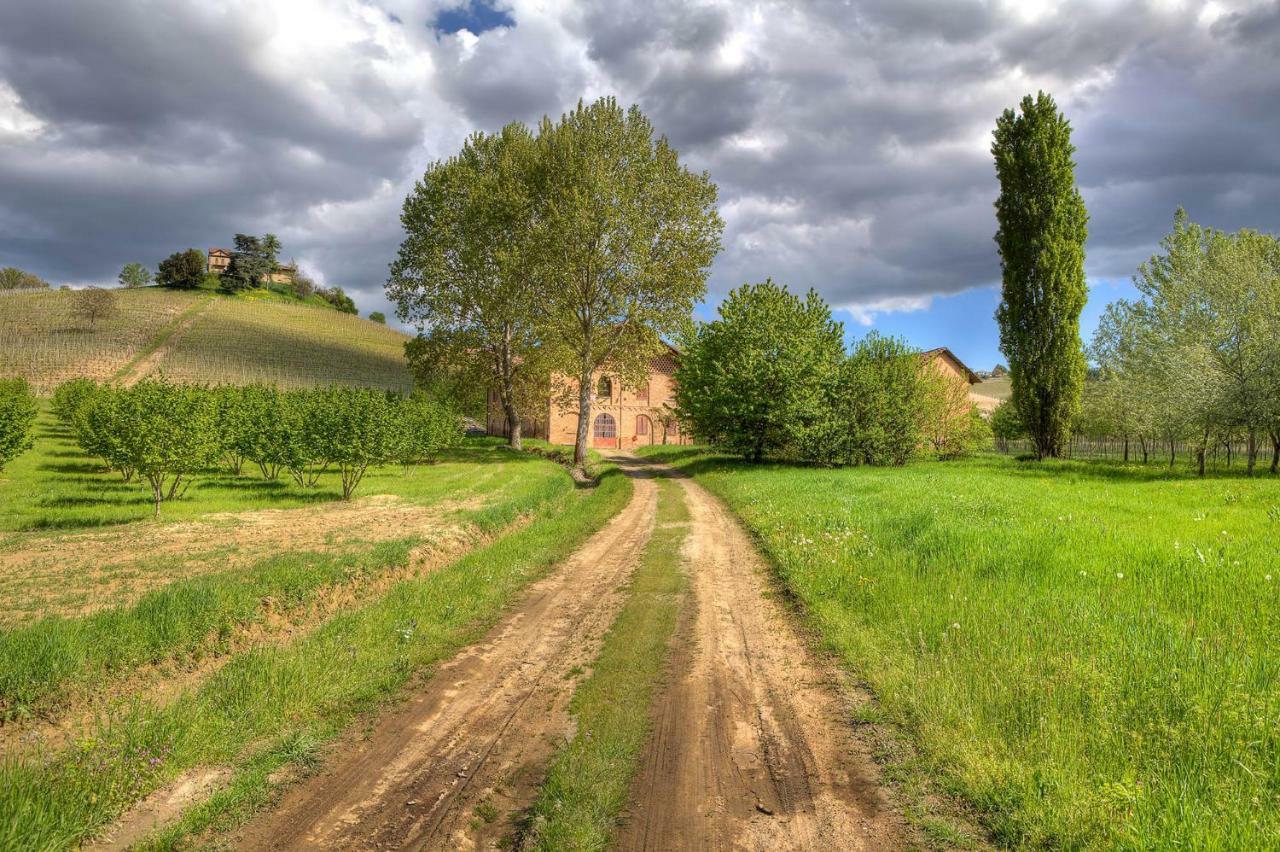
column 624, row 418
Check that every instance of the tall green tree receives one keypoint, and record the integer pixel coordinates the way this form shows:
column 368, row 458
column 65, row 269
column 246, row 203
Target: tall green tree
column 464, row 274
column 624, row 236
column 134, row 275
column 249, row 265
column 183, row 270
column 1042, row 230
column 756, row 381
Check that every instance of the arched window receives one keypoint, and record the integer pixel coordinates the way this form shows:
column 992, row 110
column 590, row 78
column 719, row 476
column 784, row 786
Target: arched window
column 604, row 390
column 642, row 426
column 606, row 428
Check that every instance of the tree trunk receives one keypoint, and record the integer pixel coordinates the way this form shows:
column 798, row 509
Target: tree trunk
column 1142, row 439
column 584, row 416
column 1252, row 461
column 1200, row 453
column 1275, row 452
column 1126, row 449
column 508, row 392
column 1172, row 454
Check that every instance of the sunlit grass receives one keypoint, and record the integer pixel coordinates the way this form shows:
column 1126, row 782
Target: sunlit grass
column 1086, row 652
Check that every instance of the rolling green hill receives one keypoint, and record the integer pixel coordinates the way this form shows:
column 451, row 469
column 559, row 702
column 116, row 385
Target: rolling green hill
column 196, row 337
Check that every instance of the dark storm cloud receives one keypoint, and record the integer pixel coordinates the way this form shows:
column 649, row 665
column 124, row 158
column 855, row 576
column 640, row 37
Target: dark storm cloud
column 849, row 139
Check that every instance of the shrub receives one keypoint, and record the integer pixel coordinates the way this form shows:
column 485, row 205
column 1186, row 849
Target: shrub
column 269, row 427
column 17, row 413
column 378, row 317
column 880, row 402
column 1006, row 425
column 338, row 298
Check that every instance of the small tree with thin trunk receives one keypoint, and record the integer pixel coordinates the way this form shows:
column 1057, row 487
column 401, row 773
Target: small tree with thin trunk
column 464, row 276
column 134, row 275
column 94, row 303
column 625, row 236
column 1042, row 230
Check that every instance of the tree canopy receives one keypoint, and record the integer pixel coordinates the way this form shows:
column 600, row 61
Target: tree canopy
column 1041, row 235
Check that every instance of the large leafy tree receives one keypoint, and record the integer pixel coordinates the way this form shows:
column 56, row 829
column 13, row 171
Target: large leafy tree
column 757, row 380
column 464, row 273
column 251, row 263
column 183, row 270
column 1042, row 229
column 624, row 236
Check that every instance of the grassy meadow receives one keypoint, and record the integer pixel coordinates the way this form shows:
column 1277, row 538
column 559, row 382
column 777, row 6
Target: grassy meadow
column 1084, row 652
column 198, row 336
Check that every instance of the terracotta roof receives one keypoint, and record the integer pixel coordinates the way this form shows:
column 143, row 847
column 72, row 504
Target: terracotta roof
column 944, row 351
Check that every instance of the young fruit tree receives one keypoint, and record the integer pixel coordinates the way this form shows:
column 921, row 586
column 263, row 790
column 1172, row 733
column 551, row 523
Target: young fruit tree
column 354, row 429
column 1041, row 235
column 17, row 414
column 464, row 275
column 624, row 236
column 756, row 381
column 162, row 432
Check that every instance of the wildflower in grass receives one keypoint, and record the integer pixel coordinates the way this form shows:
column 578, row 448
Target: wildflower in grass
column 1268, row 576
column 1119, row 575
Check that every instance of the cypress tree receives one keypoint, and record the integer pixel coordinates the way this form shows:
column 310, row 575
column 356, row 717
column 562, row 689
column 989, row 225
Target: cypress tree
column 1042, row 228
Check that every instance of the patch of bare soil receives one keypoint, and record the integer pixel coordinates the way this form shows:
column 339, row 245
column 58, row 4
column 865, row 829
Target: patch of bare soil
column 460, row 760
column 74, row 574
column 161, row 807
column 752, row 744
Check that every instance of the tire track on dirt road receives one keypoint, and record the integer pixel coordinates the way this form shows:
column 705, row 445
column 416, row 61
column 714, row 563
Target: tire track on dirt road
column 752, row 744
column 163, row 343
column 443, row 770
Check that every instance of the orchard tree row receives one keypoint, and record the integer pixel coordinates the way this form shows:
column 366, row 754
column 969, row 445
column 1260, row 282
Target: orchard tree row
column 771, row 378
column 161, row 434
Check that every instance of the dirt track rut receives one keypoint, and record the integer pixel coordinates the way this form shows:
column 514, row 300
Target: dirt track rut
column 447, row 769
column 752, row 746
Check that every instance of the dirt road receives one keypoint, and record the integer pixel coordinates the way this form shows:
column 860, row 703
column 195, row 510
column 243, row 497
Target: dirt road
column 449, row 768
column 752, row 746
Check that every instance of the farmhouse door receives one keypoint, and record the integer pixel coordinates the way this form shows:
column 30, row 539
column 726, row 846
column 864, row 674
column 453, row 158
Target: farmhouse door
column 605, row 431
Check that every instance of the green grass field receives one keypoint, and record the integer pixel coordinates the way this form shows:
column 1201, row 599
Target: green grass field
column 1084, row 652
column 256, row 336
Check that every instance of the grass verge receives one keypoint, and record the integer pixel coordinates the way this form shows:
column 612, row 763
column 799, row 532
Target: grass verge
column 586, row 786
column 1082, row 651
column 272, row 707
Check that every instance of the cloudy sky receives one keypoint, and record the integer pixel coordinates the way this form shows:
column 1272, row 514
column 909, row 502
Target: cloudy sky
column 849, row 139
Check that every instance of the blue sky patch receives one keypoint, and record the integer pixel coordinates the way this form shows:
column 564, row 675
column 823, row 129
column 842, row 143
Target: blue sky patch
column 477, row 16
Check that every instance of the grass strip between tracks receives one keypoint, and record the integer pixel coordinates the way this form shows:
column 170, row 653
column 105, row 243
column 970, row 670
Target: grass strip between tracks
column 272, row 708
column 586, row 787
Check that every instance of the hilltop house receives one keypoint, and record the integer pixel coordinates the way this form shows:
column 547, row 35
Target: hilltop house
column 219, row 259
column 621, row 417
